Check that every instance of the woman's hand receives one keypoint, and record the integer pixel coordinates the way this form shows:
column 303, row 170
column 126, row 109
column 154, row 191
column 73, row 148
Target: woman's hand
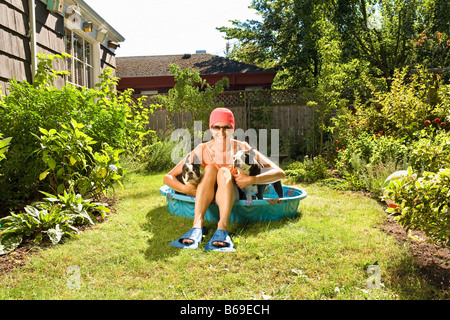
column 243, row 180
column 190, row 189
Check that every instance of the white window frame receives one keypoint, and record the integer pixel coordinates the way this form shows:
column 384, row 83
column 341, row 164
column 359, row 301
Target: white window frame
column 85, row 82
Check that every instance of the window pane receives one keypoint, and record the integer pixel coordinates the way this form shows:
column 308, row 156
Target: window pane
column 78, row 47
column 69, row 68
column 87, row 53
column 80, row 65
column 78, row 73
column 89, row 77
column 68, row 41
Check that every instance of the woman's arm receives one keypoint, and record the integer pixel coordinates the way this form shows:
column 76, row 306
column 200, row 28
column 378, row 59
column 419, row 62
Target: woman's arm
column 171, row 180
column 271, row 175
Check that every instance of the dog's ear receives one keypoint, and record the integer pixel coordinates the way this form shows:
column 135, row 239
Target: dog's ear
column 252, row 155
column 254, row 158
column 196, row 159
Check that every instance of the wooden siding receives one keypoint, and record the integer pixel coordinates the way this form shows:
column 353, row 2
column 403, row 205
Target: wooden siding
column 15, row 52
column 15, row 55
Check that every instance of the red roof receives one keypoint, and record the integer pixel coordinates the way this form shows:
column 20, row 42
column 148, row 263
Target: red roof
column 153, row 72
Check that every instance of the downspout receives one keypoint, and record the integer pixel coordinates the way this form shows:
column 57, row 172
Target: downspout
column 32, row 15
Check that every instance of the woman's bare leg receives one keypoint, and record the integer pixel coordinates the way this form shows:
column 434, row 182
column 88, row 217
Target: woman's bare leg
column 204, row 197
column 224, row 198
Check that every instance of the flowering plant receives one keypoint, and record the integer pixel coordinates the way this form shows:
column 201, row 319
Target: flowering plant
column 423, row 203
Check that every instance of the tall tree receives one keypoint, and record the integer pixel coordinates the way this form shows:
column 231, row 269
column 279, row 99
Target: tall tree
column 380, row 32
column 286, row 36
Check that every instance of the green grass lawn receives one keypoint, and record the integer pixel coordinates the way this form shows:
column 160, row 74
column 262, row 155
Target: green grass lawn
column 321, row 253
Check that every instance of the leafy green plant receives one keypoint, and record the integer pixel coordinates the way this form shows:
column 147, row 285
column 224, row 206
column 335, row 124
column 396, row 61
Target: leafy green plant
column 423, row 203
column 82, row 209
column 310, row 170
column 73, row 165
column 105, row 172
column 4, row 144
column 159, row 156
column 431, row 151
column 192, row 93
column 109, row 117
column 51, row 220
column 68, row 156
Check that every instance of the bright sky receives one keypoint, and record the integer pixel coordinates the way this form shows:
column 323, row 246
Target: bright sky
column 167, row 27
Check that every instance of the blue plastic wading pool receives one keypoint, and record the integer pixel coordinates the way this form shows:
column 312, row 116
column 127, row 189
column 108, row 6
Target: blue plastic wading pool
column 270, row 208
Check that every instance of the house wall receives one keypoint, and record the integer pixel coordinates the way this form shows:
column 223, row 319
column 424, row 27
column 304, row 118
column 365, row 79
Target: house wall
column 15, row 55
column 15, row 51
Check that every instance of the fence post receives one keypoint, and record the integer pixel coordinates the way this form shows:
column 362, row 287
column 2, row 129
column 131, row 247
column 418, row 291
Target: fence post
column 246, row 110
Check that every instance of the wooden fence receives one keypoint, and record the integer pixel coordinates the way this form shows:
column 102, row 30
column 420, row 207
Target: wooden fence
column 285, row 110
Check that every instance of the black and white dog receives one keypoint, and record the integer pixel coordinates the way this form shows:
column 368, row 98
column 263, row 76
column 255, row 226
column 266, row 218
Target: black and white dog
column 245, row 162
column 190, row 172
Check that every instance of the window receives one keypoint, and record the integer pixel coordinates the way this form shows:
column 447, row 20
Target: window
column 80, row 64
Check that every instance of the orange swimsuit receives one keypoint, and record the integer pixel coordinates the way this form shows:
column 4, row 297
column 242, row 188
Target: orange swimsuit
column 237, row 144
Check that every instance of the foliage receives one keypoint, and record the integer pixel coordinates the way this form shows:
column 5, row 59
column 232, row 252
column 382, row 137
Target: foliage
column 285, row 37
column 423, row 203
column 4, row 144
column 310, row 170
column 109, row 117
column 369, row 148
column 379, row 34
column 192, row 93
column 72, row 163
column 431, row 152
column 51, row 219
column 159, row 156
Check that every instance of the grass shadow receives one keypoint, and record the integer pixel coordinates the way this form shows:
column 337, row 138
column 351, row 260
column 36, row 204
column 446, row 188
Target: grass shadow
column 165, row 227
column 254, row 228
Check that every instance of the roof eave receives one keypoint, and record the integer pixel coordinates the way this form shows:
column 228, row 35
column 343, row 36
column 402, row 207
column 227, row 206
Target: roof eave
column 84, row 6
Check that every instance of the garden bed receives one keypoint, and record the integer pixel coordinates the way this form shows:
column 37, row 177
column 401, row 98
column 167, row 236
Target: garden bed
column 432, row 260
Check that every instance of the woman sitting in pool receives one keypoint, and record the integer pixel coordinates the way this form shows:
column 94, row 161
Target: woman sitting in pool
column 219, row 181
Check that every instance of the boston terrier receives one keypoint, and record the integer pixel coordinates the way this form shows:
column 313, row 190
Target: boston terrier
column 190, row 172
column 245, row 162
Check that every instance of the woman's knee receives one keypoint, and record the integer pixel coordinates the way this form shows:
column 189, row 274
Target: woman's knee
column 224, row 176
column 209, row 172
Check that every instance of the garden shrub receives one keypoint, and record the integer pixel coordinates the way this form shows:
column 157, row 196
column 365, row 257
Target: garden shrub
column 159, row 156
column 431, row 152
column 310, row 170
column 49, row 220
column 109, row 117
column 72, row 163
column 423, row 203
column 4, row 144
column 371, row 149
column 413, row 98
column 192, row 93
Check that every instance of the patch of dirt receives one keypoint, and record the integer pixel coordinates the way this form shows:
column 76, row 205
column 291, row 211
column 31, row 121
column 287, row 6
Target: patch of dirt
column 433, row 260
column 16, row 258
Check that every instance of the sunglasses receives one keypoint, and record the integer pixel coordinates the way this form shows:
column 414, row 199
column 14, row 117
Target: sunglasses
column 227, row 127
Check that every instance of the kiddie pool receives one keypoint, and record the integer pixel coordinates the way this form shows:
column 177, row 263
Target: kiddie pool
column 270, row 208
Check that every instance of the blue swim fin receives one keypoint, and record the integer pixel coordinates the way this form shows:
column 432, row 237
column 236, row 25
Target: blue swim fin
column 195, row 234
column 222, row 236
